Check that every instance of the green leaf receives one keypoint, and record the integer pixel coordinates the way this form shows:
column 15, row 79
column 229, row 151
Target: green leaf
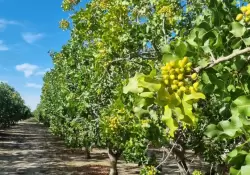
column 188, row 110
column 178, row 113
column 234, row 171
column 230, row 128
column 246, row 41
column 195, row 35
column 133, row 85
column 236, row 43
column 139, row 111
column 206, row 47
column 203, row 62
column 166, row 49
column 212, row 131
column 147, row 94
column 181, row 49
column 170, row 122
column 225, row 128
column 218, row 42
column 241, row 106
column 237, row 158
column 245, row 170
column 174, row 100
column 233, row 153
column 205, row 78
column 238, row 29
column 149, row 83
column 193, row 96
column 247, row 159
column 169, row 57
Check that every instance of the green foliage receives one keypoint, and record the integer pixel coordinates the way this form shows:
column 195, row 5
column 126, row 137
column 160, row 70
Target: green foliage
column 12, row 107
column 149, row 170
column 106, row 87
column 196, row 172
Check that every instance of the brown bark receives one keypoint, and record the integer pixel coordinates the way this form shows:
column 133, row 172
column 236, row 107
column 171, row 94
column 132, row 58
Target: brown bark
column 180, row 157
column 87, row 153
column 113, row 162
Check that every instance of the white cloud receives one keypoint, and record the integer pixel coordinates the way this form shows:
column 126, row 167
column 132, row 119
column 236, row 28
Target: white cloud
column 3, row 47
column 32, row 37
column 43, row 72
column 4, row 23
column 28, row 69
column 34, row 85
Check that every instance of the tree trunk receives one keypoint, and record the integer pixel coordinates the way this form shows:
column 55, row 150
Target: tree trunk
column 113, row 162
column 180, row 157
column 87, row 153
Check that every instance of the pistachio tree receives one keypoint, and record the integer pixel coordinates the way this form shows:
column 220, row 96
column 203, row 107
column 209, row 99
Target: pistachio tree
column 160, row 73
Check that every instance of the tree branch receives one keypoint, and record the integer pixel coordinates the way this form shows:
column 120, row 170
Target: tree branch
column 171, row 150
column 223, row 58
column 163, row 29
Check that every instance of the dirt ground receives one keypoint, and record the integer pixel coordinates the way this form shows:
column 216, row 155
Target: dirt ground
column 29, row 149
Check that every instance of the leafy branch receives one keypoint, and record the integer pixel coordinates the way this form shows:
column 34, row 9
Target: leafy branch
column 223, row 58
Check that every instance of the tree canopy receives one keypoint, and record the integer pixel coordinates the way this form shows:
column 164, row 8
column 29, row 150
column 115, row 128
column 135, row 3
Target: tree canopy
column 153, row 73
column 12, row 106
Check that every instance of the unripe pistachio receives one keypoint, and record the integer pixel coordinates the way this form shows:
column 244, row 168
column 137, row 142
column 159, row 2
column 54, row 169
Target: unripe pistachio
column 189, row 64
column 177, row 70
column 163, row 68
column 172, row 77
column 166, row 82
column 185, row 60
column 174, row 86
column 243, row 9
column 175, row 82
column 165, row 76
column 172, row 63
column 172, row 71
column 195, row 85
column 247, row 19
column 180, row 84
column 183, row 89
column 194, row 76
column 181, row 64
column 188, row 69
column 247, row 13
column 180, row 76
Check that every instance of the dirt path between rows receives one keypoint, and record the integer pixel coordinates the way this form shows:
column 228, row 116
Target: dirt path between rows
column 28, row 148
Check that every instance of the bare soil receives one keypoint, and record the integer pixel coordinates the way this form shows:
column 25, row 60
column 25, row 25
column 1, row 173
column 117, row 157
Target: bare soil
column 29, row 149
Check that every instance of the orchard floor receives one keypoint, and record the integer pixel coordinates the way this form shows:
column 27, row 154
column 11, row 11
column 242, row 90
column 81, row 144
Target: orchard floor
column 29, row 149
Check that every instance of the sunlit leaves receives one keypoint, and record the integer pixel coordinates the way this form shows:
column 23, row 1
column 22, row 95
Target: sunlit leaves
column 133, row 85
column 170, row 122
column 12, row 106
column 238, row 29
column 241, row 106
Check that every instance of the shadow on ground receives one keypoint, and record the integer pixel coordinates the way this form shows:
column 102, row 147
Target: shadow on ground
column 28, row 148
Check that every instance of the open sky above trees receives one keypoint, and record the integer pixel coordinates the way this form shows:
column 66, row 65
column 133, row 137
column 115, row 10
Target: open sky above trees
column 28, row 31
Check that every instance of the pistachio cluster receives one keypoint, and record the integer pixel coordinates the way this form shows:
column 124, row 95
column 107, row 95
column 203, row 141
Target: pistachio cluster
column 245, row 14
column 114, row 123
column 178, row 77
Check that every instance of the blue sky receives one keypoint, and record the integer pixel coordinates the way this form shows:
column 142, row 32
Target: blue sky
column 28, row 30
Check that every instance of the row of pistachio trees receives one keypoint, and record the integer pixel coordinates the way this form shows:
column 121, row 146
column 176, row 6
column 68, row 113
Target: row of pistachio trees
column 89, row 98
column 12, row 106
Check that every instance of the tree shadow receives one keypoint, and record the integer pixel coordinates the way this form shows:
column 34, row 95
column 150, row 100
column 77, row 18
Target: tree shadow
column 28, row 148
